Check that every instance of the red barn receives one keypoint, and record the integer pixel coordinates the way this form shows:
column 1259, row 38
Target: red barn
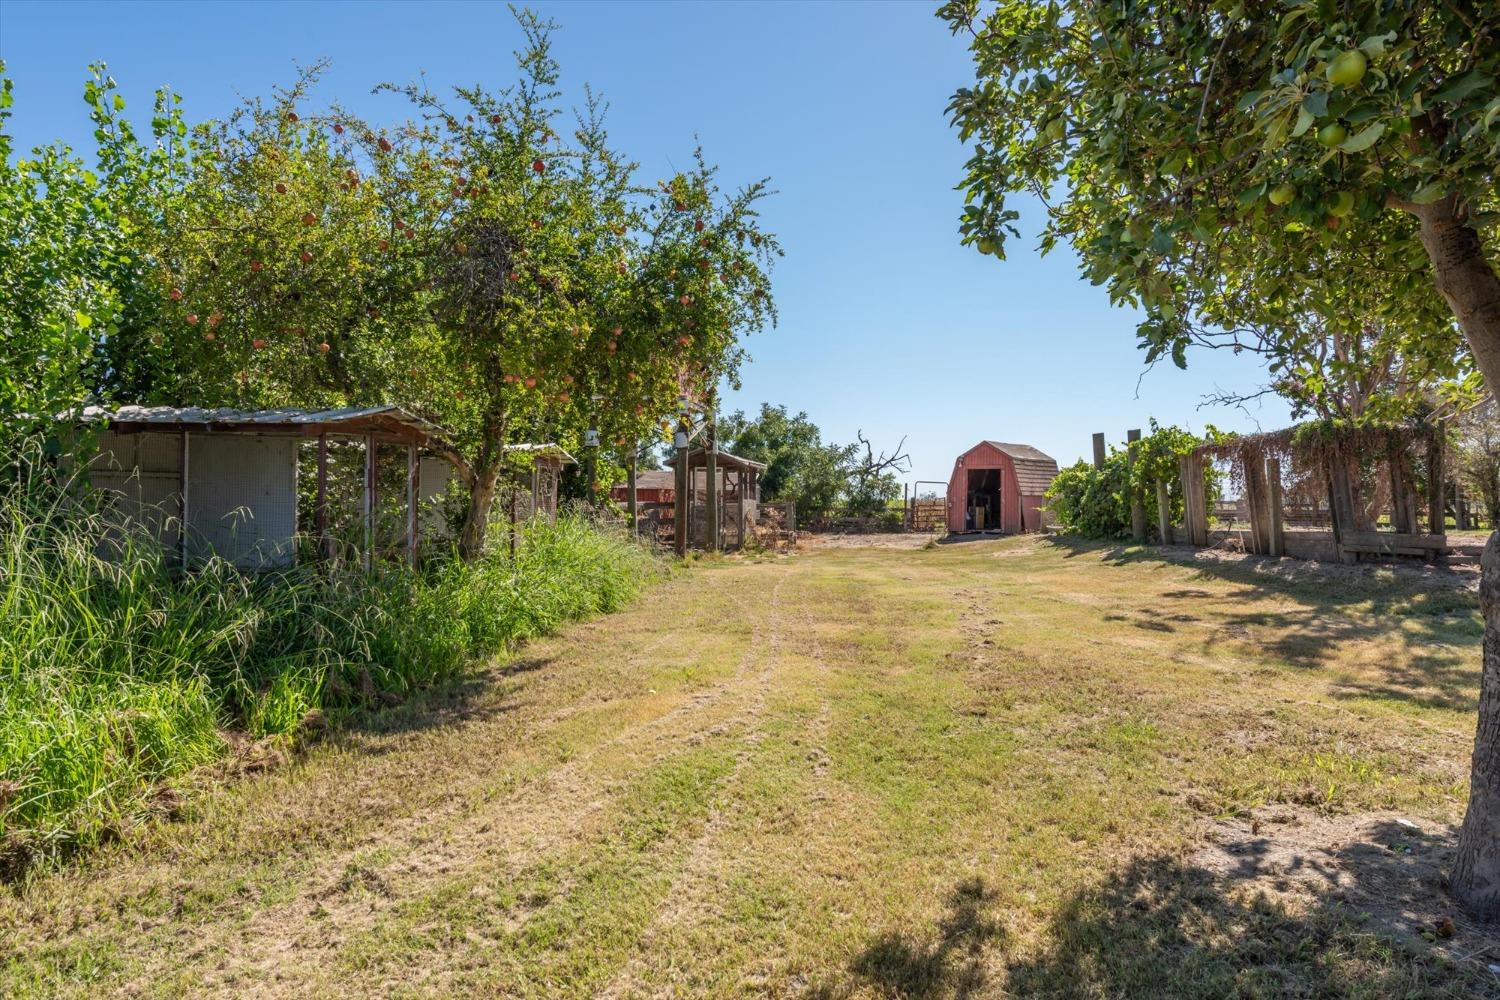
column 651, row 486
column 999, row 486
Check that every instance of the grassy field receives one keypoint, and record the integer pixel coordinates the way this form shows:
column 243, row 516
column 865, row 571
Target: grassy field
column 1003, row 768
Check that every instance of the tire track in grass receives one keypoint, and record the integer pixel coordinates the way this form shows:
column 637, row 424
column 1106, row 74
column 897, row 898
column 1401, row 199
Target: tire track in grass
column 561, row 806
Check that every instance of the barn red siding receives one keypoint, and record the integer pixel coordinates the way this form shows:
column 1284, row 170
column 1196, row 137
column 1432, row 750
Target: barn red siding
column 1018, row 511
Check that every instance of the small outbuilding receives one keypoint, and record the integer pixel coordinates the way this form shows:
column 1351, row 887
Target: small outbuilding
column 999, row 487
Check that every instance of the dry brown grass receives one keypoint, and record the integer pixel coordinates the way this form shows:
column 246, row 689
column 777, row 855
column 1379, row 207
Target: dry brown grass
column 989, row 769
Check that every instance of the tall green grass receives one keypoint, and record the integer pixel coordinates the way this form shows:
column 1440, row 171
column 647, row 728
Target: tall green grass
column 117, row 673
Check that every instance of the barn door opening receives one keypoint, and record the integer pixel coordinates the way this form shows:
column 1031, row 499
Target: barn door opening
column 983, row 503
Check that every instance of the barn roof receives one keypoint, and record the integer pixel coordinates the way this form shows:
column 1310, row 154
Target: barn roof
column 1035, row 469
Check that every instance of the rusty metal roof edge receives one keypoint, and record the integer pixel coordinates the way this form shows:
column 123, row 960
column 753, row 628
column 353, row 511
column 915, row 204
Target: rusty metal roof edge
column 282, row 417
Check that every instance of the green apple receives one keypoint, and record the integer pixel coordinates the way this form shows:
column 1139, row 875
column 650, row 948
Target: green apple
column 1342, row 204
column 1282, row 194
column 986, row 245
column 1332, row 134
column 1347, row 68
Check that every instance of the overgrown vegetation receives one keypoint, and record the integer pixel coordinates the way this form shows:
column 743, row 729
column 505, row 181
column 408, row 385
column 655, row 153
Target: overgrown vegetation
column 1095, row 503
column 117, row 674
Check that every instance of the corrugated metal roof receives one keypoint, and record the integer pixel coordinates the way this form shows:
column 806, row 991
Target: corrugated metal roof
column 285, row 417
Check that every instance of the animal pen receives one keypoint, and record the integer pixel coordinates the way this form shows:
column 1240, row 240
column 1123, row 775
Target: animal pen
column 716, row 498
column 226, row 483
column 1315, row 491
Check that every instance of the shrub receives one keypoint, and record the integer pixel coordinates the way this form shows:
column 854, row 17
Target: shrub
column 117, row 673
column 1095, row 503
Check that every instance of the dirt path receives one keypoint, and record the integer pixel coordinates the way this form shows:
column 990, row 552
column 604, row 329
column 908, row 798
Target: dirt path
column 997, row 768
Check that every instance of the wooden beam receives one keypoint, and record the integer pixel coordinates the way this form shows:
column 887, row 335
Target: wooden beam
column 1274, row 502
column 711, row 491
column 1099, row 450
column 1163, row 512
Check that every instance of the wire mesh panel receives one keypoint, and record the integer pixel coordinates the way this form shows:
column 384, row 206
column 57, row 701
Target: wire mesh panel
column 139, row 476
column 242, row 499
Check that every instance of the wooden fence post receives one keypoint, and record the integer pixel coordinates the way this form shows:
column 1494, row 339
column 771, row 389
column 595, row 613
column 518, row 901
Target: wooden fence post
column 711, row 493
column 1099, row 450
column 1194, row 501
column 1437, row 485
column 1137, row 508
column 630, row 502
column 1273, row 499
column 1164, row 512
column 1255, row 501
column 1341, row 503
column 684, row 480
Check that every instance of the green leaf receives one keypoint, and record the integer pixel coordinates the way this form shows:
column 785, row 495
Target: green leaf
column 119, row 103
column 1465, row 85
column 83, row 319
column 1361, row 141
column 1304, row 121
column 1429, row 193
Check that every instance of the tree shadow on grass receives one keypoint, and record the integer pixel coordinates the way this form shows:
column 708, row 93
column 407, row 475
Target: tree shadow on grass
column 470, row 697
column 947, row 963
column 1164, row 927
column 1316, row 609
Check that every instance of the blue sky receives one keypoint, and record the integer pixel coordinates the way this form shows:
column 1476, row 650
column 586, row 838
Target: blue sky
column 887, row 324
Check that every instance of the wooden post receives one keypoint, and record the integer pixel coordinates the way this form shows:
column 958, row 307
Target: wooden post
column 413, row 466
column 1255, row 502
column 1460, row 507
column 536, row 485
column 1137, row 508
column 369, row 500
column 744, row 485
column 630, row 502
column 1341, row 503
column 1163, row 512
column 684, row 479
column 711, row 491
column 1274, row 501
column 182, row 488
column 1194, row 502
column 1099, row 450
column 1437, row 485
column 320, row 512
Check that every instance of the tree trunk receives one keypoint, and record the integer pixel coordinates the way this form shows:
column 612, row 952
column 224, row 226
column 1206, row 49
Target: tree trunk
column 1469, row 283
column 1476, row 870
column 1466, row 280
column 477, row 517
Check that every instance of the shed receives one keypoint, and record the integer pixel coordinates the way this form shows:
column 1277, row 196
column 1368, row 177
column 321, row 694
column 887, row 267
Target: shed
column 223, row 482
column 999, row 486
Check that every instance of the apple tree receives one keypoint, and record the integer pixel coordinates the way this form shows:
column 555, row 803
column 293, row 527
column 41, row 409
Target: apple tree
column 1174, row 143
